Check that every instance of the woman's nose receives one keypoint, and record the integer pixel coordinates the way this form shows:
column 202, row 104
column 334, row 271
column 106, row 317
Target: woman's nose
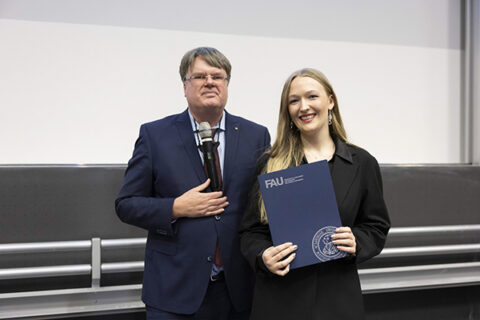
column 303, row 104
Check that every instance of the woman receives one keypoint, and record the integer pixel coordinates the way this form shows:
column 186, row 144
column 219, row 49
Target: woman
column 310, row 129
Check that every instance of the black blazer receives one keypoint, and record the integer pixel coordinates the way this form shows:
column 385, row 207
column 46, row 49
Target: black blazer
column 329, row 290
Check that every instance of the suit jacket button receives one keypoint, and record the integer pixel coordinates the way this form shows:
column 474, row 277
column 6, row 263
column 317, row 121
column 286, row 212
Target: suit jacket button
column 217, row 217
column 209, row 259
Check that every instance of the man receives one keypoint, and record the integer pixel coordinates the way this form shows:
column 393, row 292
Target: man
column 193, row 265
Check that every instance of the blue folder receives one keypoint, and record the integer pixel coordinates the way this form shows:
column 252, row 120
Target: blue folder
column 302, row 209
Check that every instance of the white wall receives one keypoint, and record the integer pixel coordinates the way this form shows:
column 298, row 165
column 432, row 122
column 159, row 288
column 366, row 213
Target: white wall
column 77, row 78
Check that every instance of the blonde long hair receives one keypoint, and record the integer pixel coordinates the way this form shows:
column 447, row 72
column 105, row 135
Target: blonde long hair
column 287, row 151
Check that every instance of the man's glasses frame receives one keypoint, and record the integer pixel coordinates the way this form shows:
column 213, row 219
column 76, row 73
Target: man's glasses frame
column 202, row 78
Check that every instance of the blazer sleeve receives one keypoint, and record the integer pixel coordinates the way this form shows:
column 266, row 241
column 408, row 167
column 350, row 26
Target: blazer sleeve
column 136, row 203
column 255, row 236
column 372, row 222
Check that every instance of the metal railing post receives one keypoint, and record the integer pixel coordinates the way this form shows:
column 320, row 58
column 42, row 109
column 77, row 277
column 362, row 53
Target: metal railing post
column 96, row 262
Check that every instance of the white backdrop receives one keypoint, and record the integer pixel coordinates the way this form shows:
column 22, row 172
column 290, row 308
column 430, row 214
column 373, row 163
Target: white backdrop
column 78, row 92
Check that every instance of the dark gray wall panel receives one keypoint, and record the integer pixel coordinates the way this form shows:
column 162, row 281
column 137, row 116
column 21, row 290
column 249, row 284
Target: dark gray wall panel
column 51, row 203
column 432, row 195
column 61, row 203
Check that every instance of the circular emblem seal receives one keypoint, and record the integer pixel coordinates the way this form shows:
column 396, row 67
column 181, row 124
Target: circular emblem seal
column 322, row 245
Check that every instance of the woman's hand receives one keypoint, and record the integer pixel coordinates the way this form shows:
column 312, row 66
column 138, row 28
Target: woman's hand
column 277, row 259
column 345, row 240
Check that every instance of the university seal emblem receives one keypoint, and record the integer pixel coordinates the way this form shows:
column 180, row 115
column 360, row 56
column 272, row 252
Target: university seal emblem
column 322, row 245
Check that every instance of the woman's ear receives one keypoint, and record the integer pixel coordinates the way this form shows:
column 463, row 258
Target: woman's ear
column 331, row 102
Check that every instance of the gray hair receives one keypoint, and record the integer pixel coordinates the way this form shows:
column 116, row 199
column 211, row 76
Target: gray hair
column 211, row 55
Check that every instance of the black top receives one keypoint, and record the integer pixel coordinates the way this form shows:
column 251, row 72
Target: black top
column 329, row 290
column 340, row 151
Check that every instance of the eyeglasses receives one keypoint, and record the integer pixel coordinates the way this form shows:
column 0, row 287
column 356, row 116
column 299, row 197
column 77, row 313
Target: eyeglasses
column 202, row 78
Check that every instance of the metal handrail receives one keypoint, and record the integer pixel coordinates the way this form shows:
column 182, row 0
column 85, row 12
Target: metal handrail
column 429, row 250
column 139, row 242
column 69, row 270
column 122, row 243
column 410, row 231
column 137, row 266
column 96, row 268
column 428, row 267
column 30, row 247
column 114, row 267
column 43, row 272
column 393, row 279
column 57, row 246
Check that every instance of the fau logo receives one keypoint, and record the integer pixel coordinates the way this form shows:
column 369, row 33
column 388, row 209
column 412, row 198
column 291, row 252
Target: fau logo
column 275, row 182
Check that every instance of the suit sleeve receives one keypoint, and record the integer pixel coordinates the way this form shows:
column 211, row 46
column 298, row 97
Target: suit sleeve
column 136, row 203
column 266, row 140
column 372, row 223
column 255, row 236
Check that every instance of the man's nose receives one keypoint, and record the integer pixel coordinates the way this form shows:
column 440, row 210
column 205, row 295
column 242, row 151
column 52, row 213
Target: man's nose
column 209, row 81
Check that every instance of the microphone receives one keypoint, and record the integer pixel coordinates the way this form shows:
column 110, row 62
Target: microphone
column 208, row 149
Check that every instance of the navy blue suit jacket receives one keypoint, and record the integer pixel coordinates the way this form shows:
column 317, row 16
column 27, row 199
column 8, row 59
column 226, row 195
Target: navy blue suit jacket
column 178, row 258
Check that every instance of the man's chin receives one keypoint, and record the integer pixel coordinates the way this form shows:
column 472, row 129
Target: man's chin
column 211, row 107
column 209, row 111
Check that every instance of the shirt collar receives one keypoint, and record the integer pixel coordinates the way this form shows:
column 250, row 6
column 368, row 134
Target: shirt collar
column 195, row 124
column 342, row 150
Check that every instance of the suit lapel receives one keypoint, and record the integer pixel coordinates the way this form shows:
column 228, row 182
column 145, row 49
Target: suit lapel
column 232, row 132
column 343, row 175
column 185, row 133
